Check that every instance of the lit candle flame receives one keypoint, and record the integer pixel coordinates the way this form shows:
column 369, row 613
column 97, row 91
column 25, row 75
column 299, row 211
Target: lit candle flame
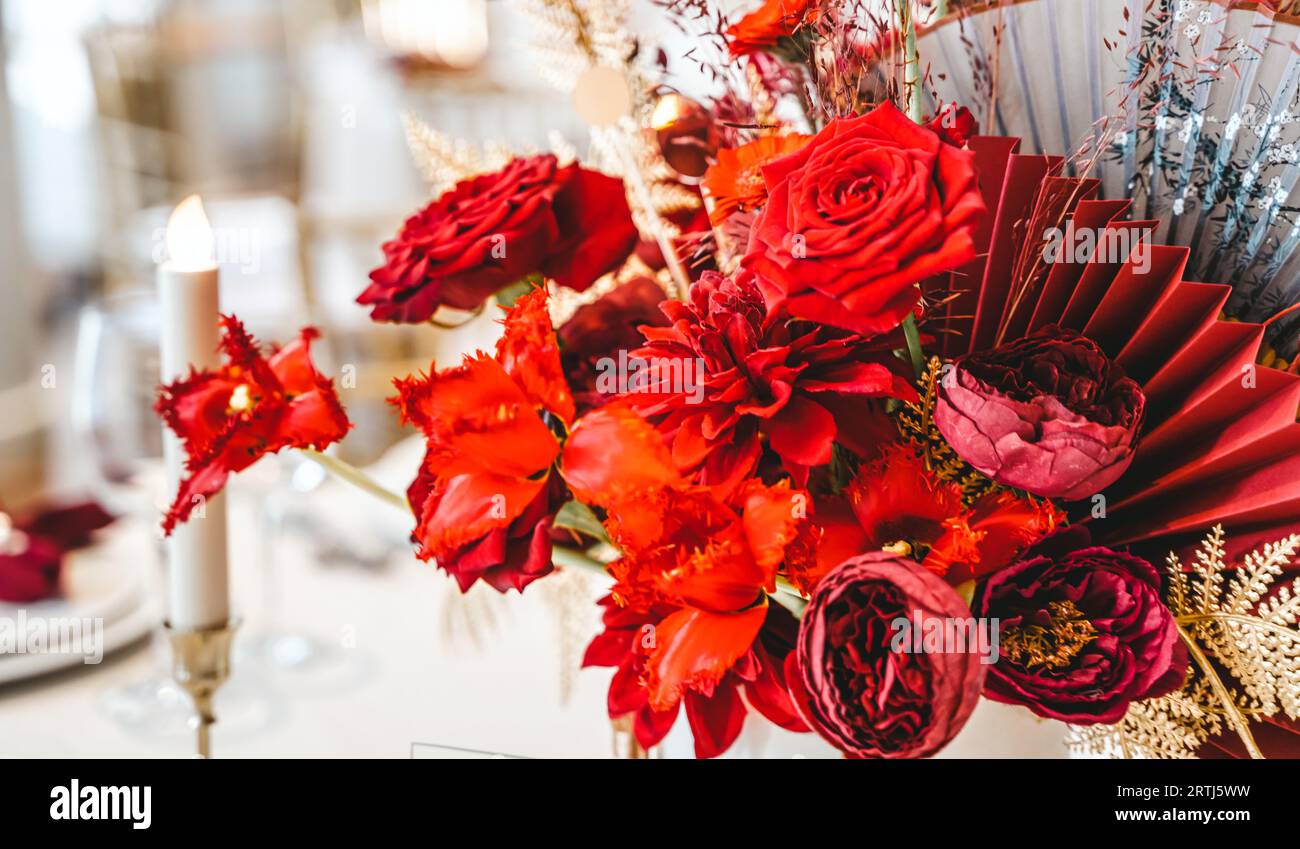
column 189, row 237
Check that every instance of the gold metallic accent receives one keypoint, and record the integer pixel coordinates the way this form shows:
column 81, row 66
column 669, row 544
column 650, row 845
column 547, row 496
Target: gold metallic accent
column 201, row 664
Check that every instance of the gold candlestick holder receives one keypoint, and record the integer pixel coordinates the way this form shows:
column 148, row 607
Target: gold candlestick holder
column 201, row 664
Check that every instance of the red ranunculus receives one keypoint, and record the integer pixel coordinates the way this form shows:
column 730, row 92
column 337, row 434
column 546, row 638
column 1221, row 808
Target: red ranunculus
column 569, row 223
column 870, row 207
column 764, row 27
column 727, row 373
column 854, row 689
column 1084, row 632
column 1049, row 414
column 229, row 418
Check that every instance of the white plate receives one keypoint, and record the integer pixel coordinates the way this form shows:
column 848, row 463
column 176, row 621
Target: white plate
column 119, row 633
column 105, row 581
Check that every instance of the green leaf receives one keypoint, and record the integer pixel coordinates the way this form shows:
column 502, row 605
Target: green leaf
column 578, row 517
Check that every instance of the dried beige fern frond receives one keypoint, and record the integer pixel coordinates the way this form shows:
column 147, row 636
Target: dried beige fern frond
column 1243, row 636
column 915, row 421
column 570, row 36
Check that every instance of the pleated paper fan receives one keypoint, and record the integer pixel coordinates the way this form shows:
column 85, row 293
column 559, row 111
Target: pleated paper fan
column 1220, row 443
column 1203, row 133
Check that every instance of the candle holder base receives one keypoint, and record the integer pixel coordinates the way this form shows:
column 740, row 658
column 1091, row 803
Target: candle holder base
column 200, row 665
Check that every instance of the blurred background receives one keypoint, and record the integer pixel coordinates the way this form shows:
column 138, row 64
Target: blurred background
column 285, row 115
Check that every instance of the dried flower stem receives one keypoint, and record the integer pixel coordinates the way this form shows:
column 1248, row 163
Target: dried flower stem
column 1238, row 721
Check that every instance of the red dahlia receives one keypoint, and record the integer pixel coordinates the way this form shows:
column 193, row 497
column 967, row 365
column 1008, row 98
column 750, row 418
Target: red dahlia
column 727, row 374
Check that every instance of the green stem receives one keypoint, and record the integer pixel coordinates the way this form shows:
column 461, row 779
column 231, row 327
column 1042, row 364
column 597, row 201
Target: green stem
column 914, row 350
column 356, row 477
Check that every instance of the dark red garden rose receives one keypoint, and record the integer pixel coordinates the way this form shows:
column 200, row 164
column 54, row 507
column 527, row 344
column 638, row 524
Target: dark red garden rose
column 854, row 689
column 1084, row 631
column 764, row 27
column 868, row 208
column 590, row 341
column 230, row 417
column 569, row 223
column 1049, row 414
column 727, row 374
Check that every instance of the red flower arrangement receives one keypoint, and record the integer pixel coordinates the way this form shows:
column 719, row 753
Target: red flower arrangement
column 781, row 440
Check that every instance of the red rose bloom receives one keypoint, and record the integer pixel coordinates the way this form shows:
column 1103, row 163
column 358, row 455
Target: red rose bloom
column 1084, row 632
column 571, row 224
column 230, row 418
column 863, row 697
column 762, row 28
column 1049, row 414
column 726, row 373
column 869, row 208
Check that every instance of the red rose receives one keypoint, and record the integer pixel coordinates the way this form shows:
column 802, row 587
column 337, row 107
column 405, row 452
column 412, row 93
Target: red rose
column 869, row 208
column 762, row 28
column 1049, row 414
column 487, row 232
column 854, row 689
column 1083, row 631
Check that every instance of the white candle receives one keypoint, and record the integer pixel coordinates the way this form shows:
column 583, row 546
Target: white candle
column 199, row 593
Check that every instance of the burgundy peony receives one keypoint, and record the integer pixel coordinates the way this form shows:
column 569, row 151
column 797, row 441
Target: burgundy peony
column 1083, row 631
column 571, row 224
column 853, row 689
column 870, row 207
column 601, row 329
column 753, row 377
column 1049, row 414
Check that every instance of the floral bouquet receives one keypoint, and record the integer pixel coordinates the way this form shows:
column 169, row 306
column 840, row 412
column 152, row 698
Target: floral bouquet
column 886, row 447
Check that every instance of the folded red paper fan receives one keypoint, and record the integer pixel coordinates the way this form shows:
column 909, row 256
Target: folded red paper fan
column 1220, row 443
